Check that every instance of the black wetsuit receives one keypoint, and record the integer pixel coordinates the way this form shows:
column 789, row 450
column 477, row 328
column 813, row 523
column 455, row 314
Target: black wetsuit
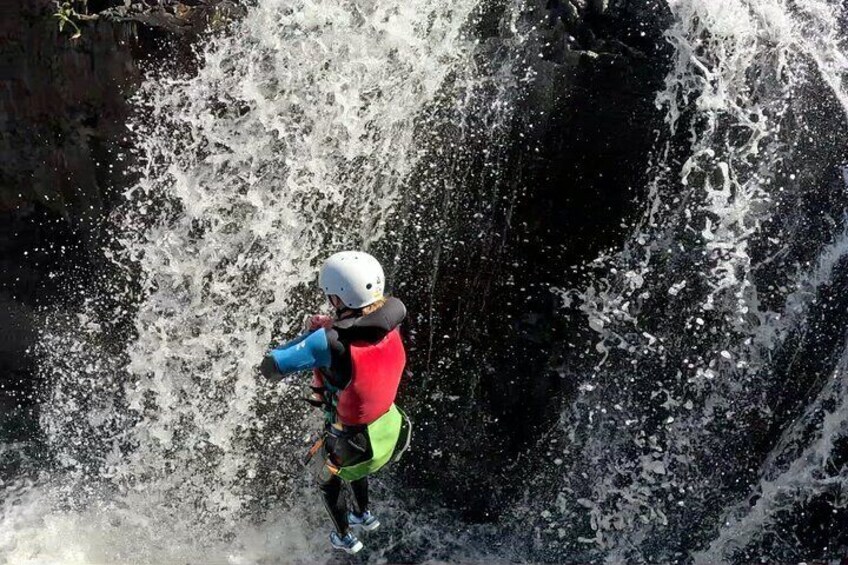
column 351, row 445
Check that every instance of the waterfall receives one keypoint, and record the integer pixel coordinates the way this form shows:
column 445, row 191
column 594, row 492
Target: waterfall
column 707, row 348
column 695, row 322
column 296, row 136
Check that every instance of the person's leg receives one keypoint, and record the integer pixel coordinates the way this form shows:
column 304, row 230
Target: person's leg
column 341, row 451
column 331, row 490
column 360, row 494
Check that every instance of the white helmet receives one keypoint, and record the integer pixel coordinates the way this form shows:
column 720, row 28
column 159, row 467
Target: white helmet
column 354, row 276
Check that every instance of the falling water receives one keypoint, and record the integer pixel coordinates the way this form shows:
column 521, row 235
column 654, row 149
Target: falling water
column 313, row 125
column 296, row 135
column 694, row 320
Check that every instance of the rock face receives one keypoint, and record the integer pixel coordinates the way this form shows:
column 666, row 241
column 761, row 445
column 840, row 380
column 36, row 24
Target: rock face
column 482, row 256
column 63, row 106
column 63, row 100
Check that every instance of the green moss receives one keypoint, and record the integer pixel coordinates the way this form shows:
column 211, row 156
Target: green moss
column 67, row 16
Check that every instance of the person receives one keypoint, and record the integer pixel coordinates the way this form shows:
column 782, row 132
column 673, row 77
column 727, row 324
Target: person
column 358, row 359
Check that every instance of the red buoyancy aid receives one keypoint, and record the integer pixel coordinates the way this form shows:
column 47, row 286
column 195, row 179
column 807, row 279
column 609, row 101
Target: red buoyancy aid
column 375, row 376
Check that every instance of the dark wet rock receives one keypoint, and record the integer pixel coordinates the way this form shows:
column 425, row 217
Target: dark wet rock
column 62, row 108
column 479, row 261
column 64, row 100
column 191, row 17
column 63, row 140
column 63, row 104
column 16, row 321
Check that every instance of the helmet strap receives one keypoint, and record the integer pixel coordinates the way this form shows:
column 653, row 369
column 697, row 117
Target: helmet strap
column 342, row 310
column 345, row 312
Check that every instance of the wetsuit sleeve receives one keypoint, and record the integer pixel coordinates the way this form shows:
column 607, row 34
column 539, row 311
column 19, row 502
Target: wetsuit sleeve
column 309, row 351
column 339, row 376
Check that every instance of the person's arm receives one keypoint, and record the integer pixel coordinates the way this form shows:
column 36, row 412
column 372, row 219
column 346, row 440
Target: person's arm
column 309, row 351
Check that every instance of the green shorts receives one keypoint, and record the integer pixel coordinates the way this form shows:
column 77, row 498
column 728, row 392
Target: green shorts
column 388, row 436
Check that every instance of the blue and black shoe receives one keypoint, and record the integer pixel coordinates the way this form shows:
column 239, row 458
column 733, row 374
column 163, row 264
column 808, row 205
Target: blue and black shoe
column 347, row 543
column 366, row 521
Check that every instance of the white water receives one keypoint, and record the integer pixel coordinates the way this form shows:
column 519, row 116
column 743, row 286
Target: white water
column 298, row 135
column 809, row 473
column 651, row 437
column 295, row 137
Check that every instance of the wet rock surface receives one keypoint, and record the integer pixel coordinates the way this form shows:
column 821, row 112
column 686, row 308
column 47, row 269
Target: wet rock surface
column 480, row 259
column 63, row 143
